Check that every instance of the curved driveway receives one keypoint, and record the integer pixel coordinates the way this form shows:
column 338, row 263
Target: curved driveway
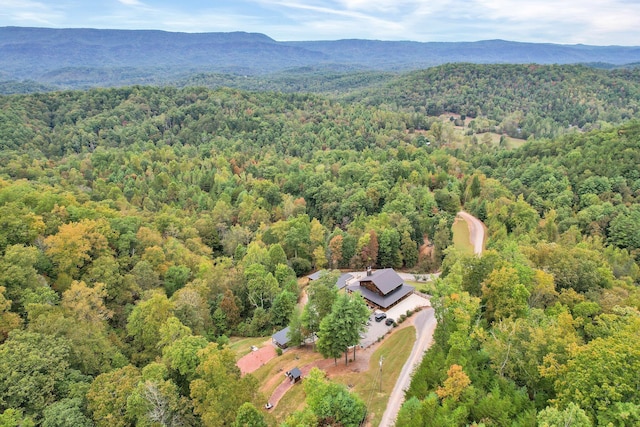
column 476, row 231
column 425, row 324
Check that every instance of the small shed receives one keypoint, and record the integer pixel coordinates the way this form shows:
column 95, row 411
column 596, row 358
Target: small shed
column 281, row 338
column 295, row 375
column 316, row 275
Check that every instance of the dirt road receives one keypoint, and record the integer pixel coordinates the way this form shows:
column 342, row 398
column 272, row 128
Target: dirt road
column 476, row 231
column 425, row 324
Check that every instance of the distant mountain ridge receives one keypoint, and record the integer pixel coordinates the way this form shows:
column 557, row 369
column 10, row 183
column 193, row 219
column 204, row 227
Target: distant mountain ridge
column 93, row 57
column 486, row 51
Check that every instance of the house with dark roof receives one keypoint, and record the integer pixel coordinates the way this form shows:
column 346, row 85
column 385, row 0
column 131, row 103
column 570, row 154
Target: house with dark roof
column 343, row 281
column 381, row 288
column 281, row 338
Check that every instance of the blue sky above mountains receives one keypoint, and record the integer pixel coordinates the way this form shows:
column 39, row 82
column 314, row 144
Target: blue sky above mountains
column 598, row 22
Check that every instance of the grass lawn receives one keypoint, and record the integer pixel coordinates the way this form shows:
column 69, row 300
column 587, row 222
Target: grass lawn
column 429, row 288
column 275, row 368
column 424, row 287
column 459, row 137
column 242, row 346
column 461, row 239
column 513, row 143
column 395, row 349
column 292, row 401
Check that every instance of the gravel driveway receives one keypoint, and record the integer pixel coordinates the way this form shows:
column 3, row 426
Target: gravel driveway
column 425, row 324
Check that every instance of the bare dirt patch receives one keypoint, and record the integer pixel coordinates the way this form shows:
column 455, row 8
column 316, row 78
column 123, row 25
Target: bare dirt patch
column 256, row 359
column 426, row 249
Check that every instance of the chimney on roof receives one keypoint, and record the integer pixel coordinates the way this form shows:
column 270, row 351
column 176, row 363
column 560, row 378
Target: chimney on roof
column 369, row 271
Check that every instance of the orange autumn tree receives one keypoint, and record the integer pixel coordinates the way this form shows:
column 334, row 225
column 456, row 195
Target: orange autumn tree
column 457, row 381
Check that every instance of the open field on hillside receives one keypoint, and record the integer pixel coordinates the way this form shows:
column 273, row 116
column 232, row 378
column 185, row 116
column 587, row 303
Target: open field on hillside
column 362, row 376
column 242, row 346
column 461, row 238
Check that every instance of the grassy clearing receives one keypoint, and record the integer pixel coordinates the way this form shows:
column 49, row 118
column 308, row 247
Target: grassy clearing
column 242, row 346
column 510, row 142
column 395, row 349
column 513, row 143
column 458, row 137
column 272, row 373
column 424, row 287
column 292, row 401
column 494, row 139
column 461, row 238
column 429, row 288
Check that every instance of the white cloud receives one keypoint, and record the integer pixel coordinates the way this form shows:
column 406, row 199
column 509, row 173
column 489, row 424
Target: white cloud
column 573, row 21
column 319, row 9
column 378, row 5
column 130, row 2
column 557, row 21
column 206, row 22
column 330, row 21
column 19, row 4
column 18, row 12
column 33, row 18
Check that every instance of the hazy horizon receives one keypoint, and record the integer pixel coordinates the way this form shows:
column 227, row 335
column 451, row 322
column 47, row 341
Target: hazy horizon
column 590, row 22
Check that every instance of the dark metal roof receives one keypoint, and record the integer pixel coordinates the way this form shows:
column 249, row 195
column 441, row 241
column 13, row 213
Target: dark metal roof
column 342, row 280
column 281, row 337
column 386, row 280
column 295, row 373
column 316, row 275
column 383, row 301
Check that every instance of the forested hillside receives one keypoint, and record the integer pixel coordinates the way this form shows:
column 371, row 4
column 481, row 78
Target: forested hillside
column 141, row 227
column 522, row 100
column 544, row 327
column 82, row 57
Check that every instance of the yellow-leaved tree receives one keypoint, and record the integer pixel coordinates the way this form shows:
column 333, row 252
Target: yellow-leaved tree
column 456, row 383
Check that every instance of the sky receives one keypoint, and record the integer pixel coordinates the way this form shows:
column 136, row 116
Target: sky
column 595, row 22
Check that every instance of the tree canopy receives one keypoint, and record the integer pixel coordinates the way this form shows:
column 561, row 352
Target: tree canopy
column 142, row 226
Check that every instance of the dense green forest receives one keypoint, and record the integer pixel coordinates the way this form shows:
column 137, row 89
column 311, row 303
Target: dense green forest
column 141, row 227
column 522, row 100
column 543, row 328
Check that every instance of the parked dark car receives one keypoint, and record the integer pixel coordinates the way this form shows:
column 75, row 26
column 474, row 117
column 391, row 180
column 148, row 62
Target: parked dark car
column 379, row 316
column 389, row 322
